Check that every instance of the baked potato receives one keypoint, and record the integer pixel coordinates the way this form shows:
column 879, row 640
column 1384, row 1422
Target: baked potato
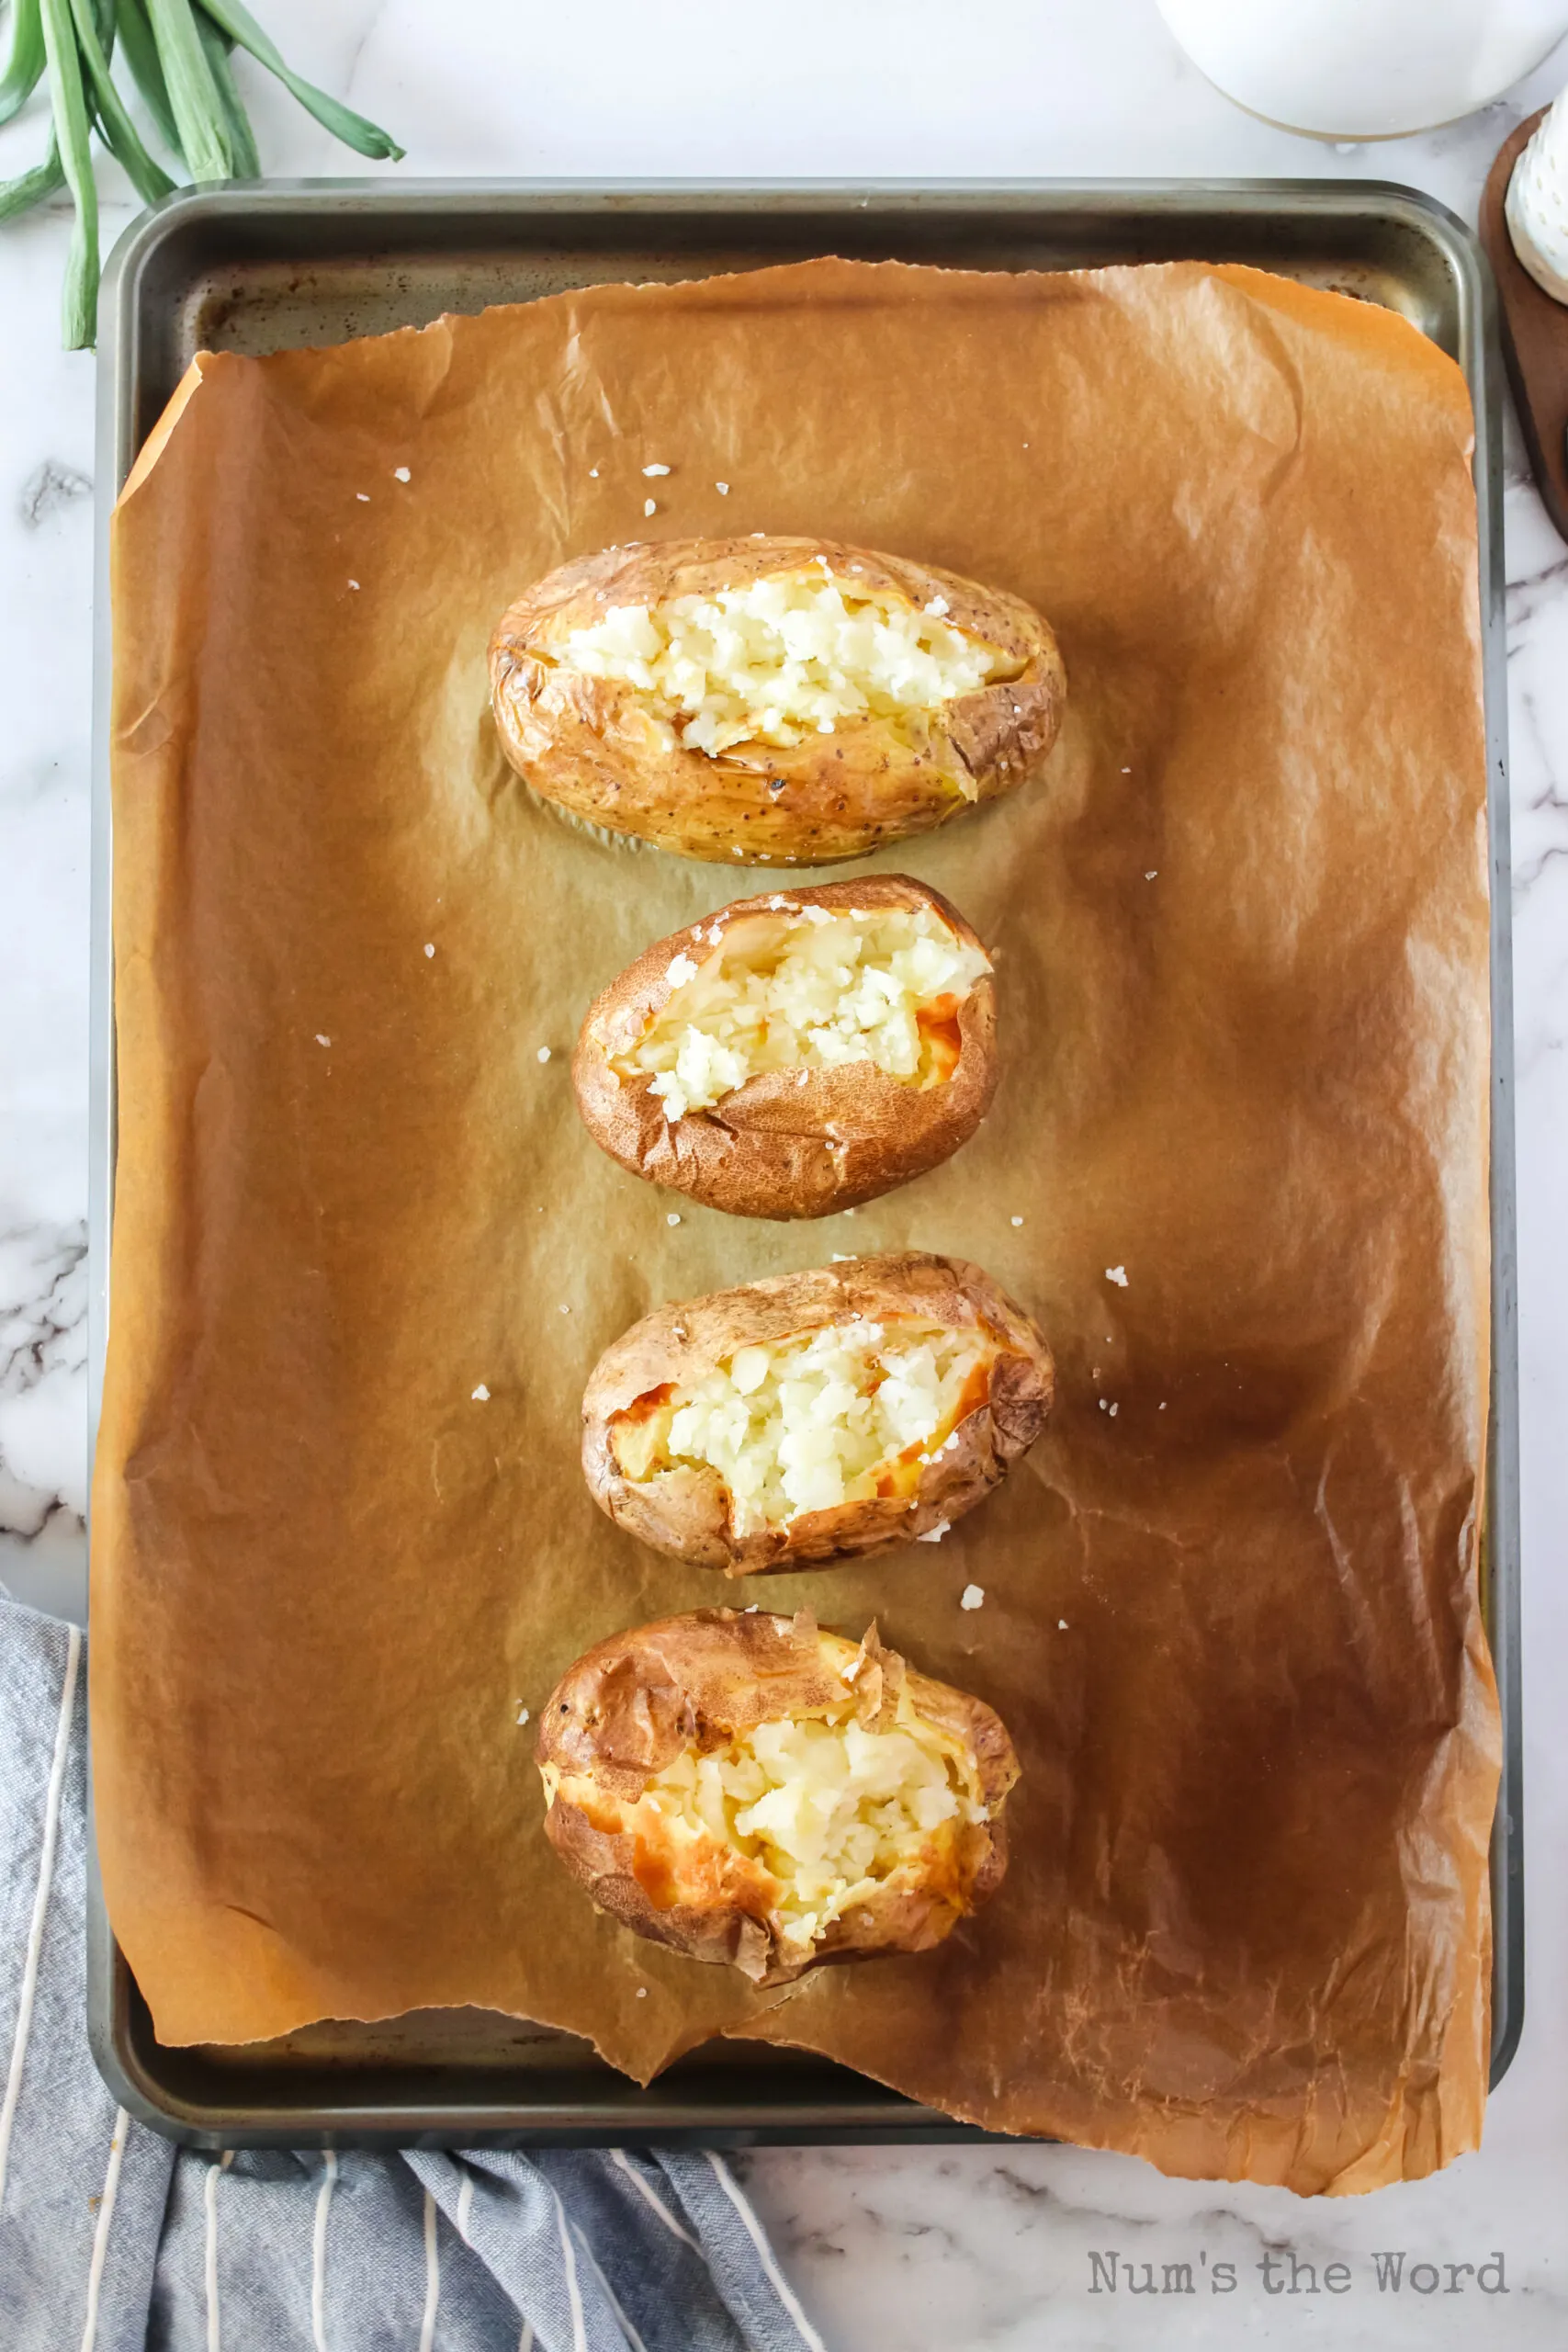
column 797, row 1053
column 785, row 701
column 815, row 1415
column 747, row 1788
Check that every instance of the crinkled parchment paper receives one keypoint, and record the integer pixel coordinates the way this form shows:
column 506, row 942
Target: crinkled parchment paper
column 1231, row 1608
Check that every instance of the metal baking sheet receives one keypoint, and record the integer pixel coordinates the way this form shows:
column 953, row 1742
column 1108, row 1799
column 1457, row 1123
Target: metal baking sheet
column 254, row 269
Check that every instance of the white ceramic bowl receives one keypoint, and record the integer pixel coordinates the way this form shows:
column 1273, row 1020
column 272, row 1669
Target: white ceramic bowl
column 1365, row 69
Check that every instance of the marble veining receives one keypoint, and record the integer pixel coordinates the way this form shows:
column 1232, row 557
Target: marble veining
column 912, row 2250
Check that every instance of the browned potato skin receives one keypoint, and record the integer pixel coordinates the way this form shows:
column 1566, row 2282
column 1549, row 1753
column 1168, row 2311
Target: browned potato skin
column 593, row 746
column 775, row 1148
column 629, row 1708
column 685, row 1513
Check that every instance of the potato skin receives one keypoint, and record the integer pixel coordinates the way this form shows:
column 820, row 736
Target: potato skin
column 685, row 1513
column 777, row 1148
column 595, row 747
column 625, row 1710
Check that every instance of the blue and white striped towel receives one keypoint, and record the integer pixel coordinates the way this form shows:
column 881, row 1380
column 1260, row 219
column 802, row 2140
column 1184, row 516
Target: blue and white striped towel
column 111, row 2239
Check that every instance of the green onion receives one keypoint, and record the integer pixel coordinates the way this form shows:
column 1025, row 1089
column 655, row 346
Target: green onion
column 245, row 164
column 27, row 59
column 179, row 52
column 31, row 187
column 119, row 133
column 193, row 92
column 79, row 307
column 363, row 137
column 140, row 53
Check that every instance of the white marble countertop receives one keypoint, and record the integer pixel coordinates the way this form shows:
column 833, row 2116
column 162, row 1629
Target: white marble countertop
column 891, row 2252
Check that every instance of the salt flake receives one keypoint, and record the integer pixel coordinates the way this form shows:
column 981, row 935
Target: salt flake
column 972, row 1596
column 481, row 1395
column 1117, row 1274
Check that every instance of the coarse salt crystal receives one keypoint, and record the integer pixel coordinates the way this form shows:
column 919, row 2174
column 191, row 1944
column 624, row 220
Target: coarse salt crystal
column 566, row 1310
column 1117, row 1274
column 650, row 505
column 722, row 488
column 651, row 471
column 430, row 948
column 673, row 1217
column 592, row 473
column 938, row 606
column 642, row 1992
column 1061, row 1624
column 321, row 1040
column 934, row 1534
column 1017, row 1220
column 353, row 583
column 544, row 1054
column 400, row 473
column 1151, row 873
column 522, row 1716
column 1113, row 1410
column 844, row 1258
column 362, row 496
column 481, row 1395
column 972, row 1596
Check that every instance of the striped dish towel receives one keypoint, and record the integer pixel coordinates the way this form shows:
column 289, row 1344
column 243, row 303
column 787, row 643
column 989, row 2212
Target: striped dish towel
column 111, row 2239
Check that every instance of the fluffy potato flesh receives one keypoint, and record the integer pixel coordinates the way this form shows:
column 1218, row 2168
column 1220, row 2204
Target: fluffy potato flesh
column 804, row 987
column 831, row 1810
column 784, row 657
column 837, row 1415
column 754, row 1790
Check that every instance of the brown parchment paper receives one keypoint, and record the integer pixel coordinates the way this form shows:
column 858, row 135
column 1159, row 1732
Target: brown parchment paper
column 1231, row 1610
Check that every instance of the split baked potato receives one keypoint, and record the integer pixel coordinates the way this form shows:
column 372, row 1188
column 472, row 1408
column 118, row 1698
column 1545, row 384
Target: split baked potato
column 749, row 1789
column 816, row 1415
column 790, row 701
column 797, row 1053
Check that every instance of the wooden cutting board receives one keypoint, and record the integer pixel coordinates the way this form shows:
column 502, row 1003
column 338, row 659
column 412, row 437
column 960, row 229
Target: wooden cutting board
column 1535, row 337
